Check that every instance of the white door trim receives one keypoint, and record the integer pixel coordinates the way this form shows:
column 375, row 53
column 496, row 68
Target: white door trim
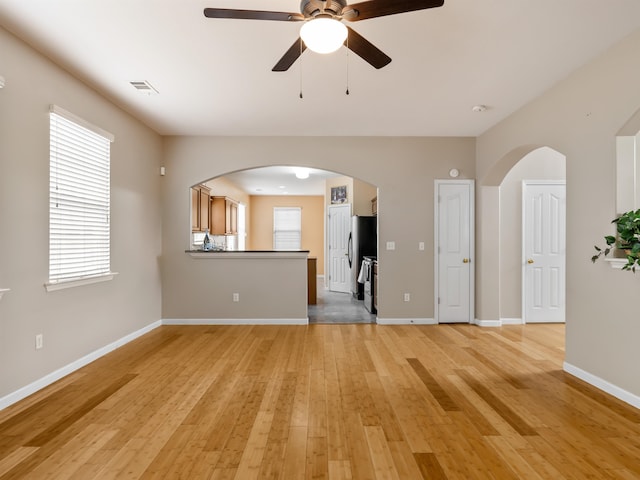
column 525, row 184
column 472, row 247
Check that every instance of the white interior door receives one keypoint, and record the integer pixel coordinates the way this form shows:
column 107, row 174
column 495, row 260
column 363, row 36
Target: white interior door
column 454, row 248
column 339, row 228
column 544, row 237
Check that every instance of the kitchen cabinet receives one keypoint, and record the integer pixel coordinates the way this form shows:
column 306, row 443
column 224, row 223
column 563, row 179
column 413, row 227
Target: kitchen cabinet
column 200, row 208
column 224, row 216
column 311, row 280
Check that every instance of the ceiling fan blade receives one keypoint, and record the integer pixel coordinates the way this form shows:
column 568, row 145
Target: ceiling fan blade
column 366, row 50
column 252, row 15
column 290, row 56
column 381, row 8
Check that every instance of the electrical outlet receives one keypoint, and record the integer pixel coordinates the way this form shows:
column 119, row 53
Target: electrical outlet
column 407, row 297
column 420, row 245
column 39, row 341
column 236, row 297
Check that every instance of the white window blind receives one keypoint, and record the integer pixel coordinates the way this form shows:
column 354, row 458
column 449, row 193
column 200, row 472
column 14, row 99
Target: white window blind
column 287, row 230
column 79, row 198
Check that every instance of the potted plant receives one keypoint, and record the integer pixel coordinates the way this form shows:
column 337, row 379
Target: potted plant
column 628, row 240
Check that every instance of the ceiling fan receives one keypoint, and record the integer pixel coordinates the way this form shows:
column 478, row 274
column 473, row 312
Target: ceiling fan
column 322, row 17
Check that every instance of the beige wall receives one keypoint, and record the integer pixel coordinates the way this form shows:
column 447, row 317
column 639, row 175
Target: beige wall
column 579, row 118
column 363, row 194
column 541, row 164
column 77, row 321
column 261, row 222
column 405, row 204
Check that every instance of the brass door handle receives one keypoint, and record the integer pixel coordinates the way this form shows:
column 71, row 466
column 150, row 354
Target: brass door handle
column 530, row 261
column 466, row 260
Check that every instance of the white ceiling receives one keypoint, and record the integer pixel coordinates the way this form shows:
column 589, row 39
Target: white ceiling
column 214, row 76
column 280, row 181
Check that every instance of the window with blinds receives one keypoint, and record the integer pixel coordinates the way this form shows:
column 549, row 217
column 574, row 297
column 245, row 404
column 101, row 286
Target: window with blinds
column 79, row 199
column 287, row 228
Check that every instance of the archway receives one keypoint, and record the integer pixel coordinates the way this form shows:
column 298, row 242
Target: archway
column 260, row 191
column 499, row 230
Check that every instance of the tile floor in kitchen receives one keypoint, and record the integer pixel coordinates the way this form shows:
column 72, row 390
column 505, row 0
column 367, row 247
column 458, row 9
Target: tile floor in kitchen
column 334, row 307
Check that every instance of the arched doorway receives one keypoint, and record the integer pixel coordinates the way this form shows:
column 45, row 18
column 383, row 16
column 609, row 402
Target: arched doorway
column 500, row 231
column 259, row 192
column 532, row 239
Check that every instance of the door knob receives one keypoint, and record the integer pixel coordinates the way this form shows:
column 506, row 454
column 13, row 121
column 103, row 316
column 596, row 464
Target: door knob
column 530, row 261
column 466, row 260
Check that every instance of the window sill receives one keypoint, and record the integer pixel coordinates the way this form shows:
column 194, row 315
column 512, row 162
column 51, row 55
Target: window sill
column 61, row 285
column 616, row 263
column 3, row 291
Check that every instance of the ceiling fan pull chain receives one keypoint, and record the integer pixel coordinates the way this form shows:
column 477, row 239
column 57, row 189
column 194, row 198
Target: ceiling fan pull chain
column 347, row 60
column 301, row 50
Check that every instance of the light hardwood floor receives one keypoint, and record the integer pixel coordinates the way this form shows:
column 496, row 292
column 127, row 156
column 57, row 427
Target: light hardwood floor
column 325, row 401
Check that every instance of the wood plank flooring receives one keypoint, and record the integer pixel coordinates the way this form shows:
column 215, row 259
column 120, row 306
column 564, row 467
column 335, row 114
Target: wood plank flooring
column 324, row 402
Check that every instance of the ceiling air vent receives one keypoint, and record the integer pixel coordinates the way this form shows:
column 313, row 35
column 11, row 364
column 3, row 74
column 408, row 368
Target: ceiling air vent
column 144, row 87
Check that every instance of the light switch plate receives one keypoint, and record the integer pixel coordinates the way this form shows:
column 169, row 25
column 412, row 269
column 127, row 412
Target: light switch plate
column 420, row 245
column 391, row 245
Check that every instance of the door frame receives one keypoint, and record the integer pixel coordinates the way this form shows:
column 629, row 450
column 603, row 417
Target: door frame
column 525, row 184
column 472, row 244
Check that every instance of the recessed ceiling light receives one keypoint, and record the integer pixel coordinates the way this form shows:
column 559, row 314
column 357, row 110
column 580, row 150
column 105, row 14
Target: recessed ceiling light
column 282, row 186
column 302, row 173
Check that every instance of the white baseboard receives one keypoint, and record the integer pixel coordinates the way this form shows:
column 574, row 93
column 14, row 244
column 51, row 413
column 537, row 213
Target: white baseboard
column 406, row 321
column 52, row 377
column 487, row 323
column 498, row 323
column 511, row 321
column 627, row 397
column 235, row 321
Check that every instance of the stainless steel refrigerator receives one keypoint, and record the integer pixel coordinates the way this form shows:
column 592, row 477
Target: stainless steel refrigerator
column 363, row 241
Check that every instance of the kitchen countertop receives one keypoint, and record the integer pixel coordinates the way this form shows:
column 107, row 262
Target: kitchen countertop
column 248, row 253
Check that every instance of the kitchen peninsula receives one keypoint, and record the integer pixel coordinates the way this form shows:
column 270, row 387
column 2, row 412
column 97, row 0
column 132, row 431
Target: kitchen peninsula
column 246, row 287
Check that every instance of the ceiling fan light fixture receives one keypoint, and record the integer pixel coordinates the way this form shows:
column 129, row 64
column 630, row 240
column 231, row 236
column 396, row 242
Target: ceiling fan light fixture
column 323, row 35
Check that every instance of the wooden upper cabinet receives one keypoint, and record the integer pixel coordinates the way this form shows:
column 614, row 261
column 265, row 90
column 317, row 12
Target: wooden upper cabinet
column 195, row 209
column 204, row 209
column 232, row 217
column 224, row 216
column 200, row 208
